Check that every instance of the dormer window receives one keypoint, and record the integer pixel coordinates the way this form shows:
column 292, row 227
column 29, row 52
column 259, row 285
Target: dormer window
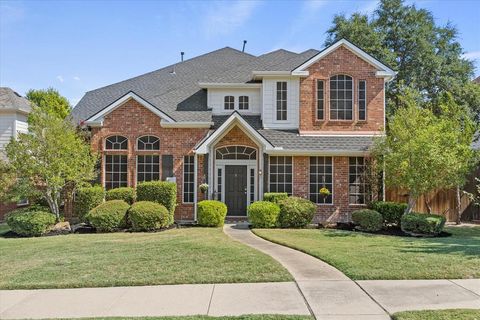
column 229, row 103
column 243, row 103
column 341, row 97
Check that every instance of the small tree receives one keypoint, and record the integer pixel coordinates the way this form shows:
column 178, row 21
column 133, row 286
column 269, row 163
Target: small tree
column 49, row 101
column 423, row 152
column 51, row 156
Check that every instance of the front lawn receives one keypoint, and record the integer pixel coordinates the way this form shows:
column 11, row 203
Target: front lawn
column 363, row 256
column 190, row 255
column 459, row 314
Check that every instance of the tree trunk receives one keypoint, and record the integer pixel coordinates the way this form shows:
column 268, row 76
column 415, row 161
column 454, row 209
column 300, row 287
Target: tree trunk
column 411, row 204
column 52, row 199
column 428, row 205
column 457, row 206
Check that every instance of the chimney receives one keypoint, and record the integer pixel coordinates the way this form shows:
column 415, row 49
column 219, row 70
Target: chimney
column 244, row 43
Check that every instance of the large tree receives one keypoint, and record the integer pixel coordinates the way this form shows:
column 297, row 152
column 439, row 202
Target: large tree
column 53, row 157
column 50, row 101
column 426, row 56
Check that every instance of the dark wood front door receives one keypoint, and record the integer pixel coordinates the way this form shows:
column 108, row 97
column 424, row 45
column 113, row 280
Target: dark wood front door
column 236, row 190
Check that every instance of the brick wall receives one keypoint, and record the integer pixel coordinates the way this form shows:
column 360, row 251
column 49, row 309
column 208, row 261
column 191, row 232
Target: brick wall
column 341, row 61
column 132, row 120
column 6, row 208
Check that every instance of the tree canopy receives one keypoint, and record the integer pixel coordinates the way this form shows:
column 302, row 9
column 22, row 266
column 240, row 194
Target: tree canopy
column 50, row 101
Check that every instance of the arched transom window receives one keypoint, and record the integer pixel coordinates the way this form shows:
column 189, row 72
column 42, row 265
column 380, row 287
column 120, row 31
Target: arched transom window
column 148, row 143
column 236, row 153
column 116, row 143
column 341, row 97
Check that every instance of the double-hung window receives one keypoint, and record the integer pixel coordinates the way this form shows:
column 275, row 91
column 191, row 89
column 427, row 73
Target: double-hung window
column 116, row 164
column 280, row 174
column 281, row 100
column 357, row 185
column 229, row 103
column 321, row 177
column 148, row 165
column 320, row 100
column 362, row 100
column 243, row 103
column 341, row 97
column 188, row 179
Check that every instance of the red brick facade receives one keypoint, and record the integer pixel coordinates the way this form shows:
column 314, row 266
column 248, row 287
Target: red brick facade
column 6, row 208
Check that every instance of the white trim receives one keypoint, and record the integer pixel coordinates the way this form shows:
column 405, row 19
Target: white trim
column 186, row 124
column 270, row 171
column 94, row 124
column 384, row 70
column 358, row 101
column 195, row 182
column 135, row 178
column 125, row 98
column 222, row 85
column 148, row 151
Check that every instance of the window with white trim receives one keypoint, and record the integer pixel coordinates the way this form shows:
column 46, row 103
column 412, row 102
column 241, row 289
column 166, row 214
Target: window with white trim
column 280, row 174
column 362, row 100
column 116, row 143
column 243, row 103
column 320, row 99
column 219, row 184
column 188, row 179
column 229, row 103
column 281, row 100
column 116, row 171
column 341, row 97
column 321, row 176
column 148, row 168
column 148, row 143
column 357, row 185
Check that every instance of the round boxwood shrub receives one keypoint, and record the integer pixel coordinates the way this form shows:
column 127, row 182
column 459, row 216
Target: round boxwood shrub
column 391, row 212
column 126, row 194
column 163, row 192
column 275, row 196
column 367, row 220
column 423, row 224
column 109, row 216
column 30, row 223
column 296, row 212
column 211, row 213
column 263, row 214
column 87, row 198
column 148, row 216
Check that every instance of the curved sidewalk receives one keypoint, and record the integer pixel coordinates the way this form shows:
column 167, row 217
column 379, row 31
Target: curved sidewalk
column 329, row 294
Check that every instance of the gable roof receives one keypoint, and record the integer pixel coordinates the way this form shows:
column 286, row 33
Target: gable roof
column 10, row 100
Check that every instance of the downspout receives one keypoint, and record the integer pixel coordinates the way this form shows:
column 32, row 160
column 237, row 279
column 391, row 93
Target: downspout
column 195, row 178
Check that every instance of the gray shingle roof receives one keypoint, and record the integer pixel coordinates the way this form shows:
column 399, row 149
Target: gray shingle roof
column 10, row 100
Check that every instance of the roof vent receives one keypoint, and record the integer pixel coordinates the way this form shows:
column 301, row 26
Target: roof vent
column 244, row 43
column 181, row 54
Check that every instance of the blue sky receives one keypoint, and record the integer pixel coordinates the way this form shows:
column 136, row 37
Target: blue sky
column 77, row 46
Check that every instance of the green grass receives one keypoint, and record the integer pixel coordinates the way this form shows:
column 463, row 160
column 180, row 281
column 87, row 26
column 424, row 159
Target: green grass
column 459, row 314
column 190, row 255
column 364, row 256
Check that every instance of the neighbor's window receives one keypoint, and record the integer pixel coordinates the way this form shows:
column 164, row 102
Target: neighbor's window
column 320, row 99
column 282, row 100
column 115, row 171
column 341, row 97
column 243, row 103
column 280, row 174
column 148, row 143
column 148, row 168
column 116, row 143
column 321, row 176
column 357, row 186
column 229, row 103
column 188, row 182
column 362, row 100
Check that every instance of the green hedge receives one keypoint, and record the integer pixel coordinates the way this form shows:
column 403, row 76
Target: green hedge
column 391, row 212
column 275, row 197
column 109, row 216
column 126, row 194
column 420, row 223
column 163, row 192
column 30, row 223
column 148, row 216
column 263, row 214
column 211, row 213
column 367, row 220
column 86, row 199
column 296, row 212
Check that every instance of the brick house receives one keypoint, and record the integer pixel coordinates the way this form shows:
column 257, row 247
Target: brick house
column 245, row 125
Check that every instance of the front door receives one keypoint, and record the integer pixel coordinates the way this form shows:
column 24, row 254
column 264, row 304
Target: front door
column 236, row 190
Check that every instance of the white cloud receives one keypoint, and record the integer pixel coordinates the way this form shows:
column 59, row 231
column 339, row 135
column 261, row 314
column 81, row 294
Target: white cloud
column 224, row 17
column 76, row 78
column 60, row 78
column 472, row 55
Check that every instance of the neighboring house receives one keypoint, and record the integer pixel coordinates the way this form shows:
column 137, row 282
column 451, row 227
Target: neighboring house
column 14, row 110
column 246, row 125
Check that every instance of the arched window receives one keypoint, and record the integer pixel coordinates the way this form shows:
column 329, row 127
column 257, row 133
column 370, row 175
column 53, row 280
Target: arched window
column 148, row 143
column 243, row 103
column 341, row 97
column 229, row 103
column 236, row 153
column 116, row 143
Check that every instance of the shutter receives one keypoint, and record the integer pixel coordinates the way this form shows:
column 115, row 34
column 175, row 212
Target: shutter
column 265, row 174
column 167, row 166
column 205, row 167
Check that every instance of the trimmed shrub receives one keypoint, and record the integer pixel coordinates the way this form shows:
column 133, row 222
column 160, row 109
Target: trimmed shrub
column 391, row 212
column 263, row 214
column 211, row 213
column 109, row 216
column 126, row 194
column 148, row 216
column 163, row 192
column 86, row 199
column 367, row 220
column 296, row 212
column 275, row 197
column 421, row 223
column 30, row 223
